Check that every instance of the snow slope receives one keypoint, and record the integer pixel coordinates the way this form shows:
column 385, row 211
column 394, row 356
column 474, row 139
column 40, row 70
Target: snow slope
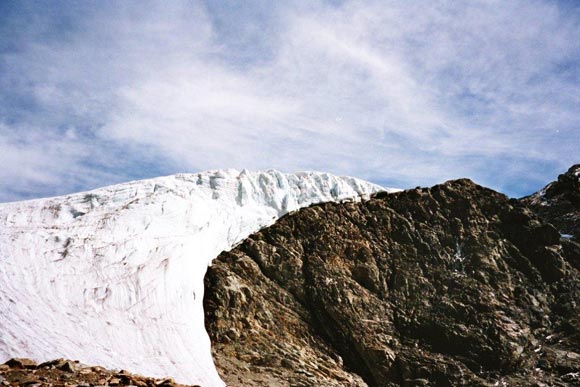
column 114, row 276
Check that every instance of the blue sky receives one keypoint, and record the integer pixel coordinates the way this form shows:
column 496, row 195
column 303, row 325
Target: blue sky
column 399, row 93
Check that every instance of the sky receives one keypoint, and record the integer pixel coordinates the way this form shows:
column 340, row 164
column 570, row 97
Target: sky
column 400, row 93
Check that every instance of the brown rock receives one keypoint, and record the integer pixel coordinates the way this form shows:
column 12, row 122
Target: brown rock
column 139, row 383
column 450, row 285
column 52, row 363
column 21, row 363
column 67, row 366
column 61, row 372
column 33, row 382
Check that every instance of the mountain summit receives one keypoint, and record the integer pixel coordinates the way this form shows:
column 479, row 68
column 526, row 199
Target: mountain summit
column 559, row 203
column 114, row 276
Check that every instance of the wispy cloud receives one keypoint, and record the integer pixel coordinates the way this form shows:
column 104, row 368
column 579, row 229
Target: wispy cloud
column 396, row 93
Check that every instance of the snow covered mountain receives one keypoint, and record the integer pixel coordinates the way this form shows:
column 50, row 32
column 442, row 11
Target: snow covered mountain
column 114, row 276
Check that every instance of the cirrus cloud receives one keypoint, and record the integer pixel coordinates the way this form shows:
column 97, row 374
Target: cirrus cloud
column 97, row 93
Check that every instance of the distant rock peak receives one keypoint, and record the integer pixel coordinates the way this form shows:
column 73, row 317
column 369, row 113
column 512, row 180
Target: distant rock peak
column 559, row 203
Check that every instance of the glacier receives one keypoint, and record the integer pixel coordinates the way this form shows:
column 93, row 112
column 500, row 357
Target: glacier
column 114, row 276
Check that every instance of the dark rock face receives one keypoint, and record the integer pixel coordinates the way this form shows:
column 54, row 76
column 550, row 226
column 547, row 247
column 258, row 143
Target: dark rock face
column 452, row 285
column 559, row 203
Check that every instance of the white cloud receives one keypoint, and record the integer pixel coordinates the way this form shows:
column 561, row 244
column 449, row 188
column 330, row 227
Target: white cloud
column 412, row 94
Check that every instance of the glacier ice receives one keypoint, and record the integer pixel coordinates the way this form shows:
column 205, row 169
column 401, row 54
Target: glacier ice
column 114, row 276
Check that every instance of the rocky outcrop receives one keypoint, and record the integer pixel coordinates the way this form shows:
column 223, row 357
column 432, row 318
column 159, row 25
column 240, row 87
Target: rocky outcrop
column 559, row 203
column 61, row 372
column 451, row 285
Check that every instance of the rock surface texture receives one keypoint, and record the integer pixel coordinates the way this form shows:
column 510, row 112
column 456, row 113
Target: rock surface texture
column 61, row 372
column 446, row 286
column 559, row 203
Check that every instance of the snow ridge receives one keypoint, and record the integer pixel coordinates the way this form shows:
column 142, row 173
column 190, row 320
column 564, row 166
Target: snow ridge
column 114, row 276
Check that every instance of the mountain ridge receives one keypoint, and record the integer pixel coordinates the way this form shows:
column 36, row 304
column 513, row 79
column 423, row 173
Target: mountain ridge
column 450, row 285
column 559, row 203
